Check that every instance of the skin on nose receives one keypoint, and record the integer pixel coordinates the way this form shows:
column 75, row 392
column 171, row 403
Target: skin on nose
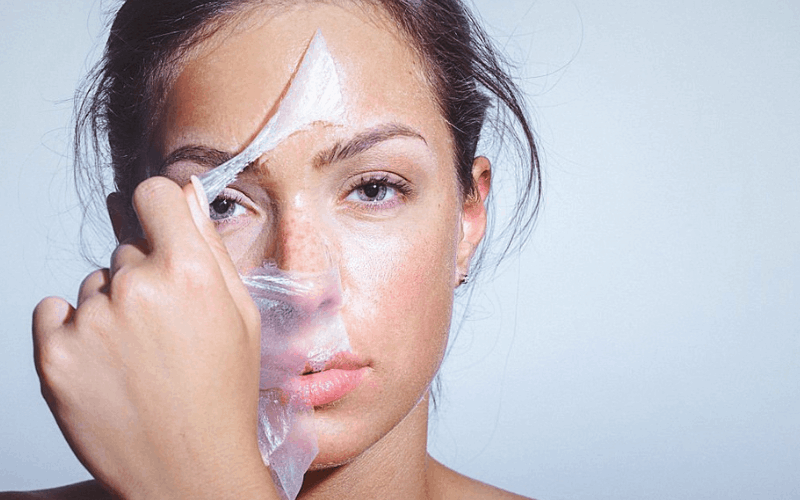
column 303, row 249
column 301, row 244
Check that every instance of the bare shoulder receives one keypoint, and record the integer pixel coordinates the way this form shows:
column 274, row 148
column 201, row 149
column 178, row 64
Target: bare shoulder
column 88, row 490
column 448, row 484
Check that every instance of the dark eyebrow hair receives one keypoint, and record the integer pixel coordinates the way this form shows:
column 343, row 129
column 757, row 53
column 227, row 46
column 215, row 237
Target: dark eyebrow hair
column 364, row 141
column 211, row 158
column 202, row 155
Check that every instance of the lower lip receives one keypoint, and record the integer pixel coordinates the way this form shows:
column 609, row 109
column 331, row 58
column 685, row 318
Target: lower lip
column 318, row 389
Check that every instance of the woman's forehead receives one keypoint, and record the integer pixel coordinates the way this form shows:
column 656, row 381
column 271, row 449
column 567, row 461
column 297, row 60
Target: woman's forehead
column 232, row 84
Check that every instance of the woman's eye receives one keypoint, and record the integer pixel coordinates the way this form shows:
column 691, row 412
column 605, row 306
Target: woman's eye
column 224, row 208
column 373, row 192
column 379, row 191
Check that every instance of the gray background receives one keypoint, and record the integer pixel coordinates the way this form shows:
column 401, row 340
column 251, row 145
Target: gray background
column 645, row 344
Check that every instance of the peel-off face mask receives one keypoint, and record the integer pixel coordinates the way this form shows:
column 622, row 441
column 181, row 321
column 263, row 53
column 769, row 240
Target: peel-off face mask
column 301, row 331
column 314, row 95
column 301, row 325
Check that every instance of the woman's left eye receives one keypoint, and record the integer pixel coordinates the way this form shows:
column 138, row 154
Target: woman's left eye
column 373, row 192
column 378, row 191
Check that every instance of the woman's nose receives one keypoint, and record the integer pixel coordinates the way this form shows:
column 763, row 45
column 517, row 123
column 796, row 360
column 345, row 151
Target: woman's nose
column 301, row 244
column 302, row 247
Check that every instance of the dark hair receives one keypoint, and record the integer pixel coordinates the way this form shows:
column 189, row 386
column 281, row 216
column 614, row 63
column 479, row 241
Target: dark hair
column 148, row 38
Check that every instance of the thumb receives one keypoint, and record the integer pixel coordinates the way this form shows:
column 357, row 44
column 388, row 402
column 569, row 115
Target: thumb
column 198, row 206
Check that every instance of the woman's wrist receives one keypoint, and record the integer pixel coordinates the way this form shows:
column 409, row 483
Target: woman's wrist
column 232, row 480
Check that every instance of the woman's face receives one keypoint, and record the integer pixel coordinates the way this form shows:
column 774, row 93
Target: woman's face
column 386, row 212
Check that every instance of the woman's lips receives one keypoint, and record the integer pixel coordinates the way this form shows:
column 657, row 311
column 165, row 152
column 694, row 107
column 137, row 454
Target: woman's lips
column 340, row 376
column 327, row 386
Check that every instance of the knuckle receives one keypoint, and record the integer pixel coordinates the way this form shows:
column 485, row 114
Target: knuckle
column 153, row 190
column 123, row 284
column 125, row 255
column 96, row 279
column 119, row 253
column 117, row 260
column 93, row 314
column 42, row 311
column 130, row 286
column 49, row 315
column 98, row 276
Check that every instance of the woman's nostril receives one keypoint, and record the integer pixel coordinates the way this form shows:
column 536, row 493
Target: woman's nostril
column 328, row 304
column 327, row 300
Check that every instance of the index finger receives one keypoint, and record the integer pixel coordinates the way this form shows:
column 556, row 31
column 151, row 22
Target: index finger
column 165, row 218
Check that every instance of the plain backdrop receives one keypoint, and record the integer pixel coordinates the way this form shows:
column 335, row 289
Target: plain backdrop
column 646, row 342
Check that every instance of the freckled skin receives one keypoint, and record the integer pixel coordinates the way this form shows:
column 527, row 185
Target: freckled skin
column 398, row 265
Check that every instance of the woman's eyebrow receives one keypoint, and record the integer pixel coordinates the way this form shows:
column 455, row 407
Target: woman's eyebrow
column 211, row 158
column 364, row 141
column 202, row 155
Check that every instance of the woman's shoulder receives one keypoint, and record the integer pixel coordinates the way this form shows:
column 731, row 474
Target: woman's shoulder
column 87, row 490
column 449, row 484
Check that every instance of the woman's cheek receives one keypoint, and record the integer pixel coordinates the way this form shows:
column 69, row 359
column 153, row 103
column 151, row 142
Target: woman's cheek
column 396, row 279
column 248, row 243
column 399, row 293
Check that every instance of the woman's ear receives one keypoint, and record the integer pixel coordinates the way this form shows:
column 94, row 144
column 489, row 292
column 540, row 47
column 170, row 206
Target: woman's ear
column 473, row 217
column 121, row 214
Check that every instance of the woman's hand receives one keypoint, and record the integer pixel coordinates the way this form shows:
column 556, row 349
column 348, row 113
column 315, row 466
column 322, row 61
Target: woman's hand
column 153, row 379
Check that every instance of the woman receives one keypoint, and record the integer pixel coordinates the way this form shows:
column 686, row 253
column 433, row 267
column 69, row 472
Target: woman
column 153, row 377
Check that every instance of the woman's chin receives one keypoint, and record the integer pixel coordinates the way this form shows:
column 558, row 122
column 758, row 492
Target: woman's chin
column 345, row 433
column 340, row 443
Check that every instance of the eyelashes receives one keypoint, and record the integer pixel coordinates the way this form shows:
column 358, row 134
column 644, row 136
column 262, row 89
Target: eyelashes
column 229, row 205
column 378, row 191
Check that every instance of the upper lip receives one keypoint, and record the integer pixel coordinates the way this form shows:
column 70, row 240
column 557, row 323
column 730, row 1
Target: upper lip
column 341, row 360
